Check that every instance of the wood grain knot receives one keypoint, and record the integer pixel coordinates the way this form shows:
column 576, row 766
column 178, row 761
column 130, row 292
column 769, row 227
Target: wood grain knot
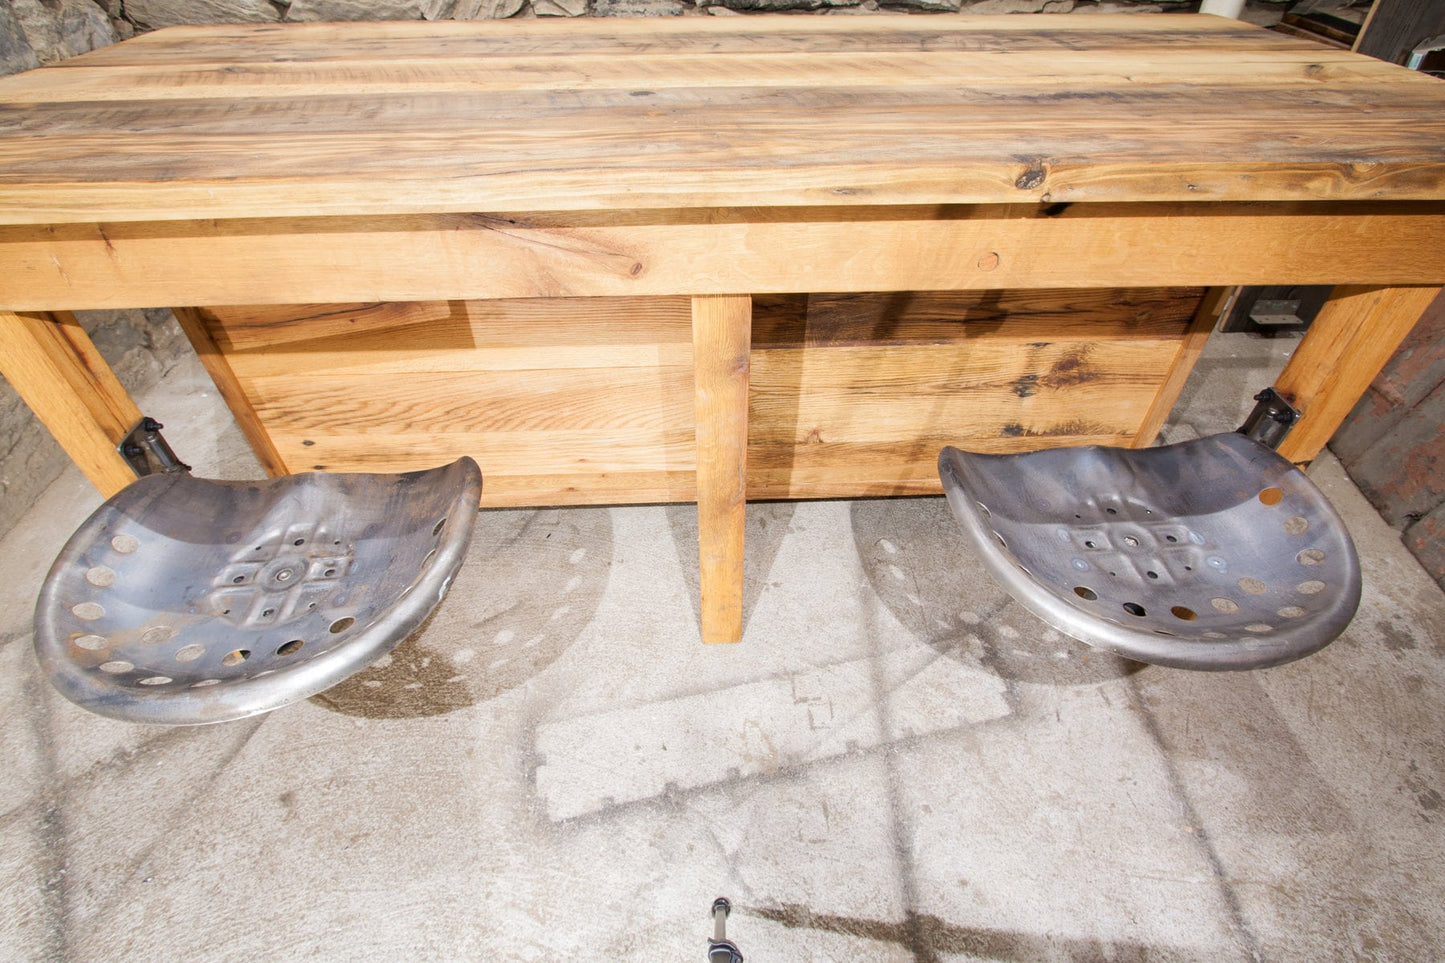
column 1032, row 177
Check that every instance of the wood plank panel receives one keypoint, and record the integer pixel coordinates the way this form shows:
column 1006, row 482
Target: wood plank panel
column 1305, row 68
column 663, row 253
column 380, row 41
column 597, row 488
column 842, row 470
column 415, row 337
column 496, row 169
column 850, row 394
column 843, row 421
column 1005, row 106
column 581, row 453
column 386, row 141
column 52, row 364
column 596, row 399
column 629, row 114
column 243, row 328
column 497, row 326
column 593, row 398
column 937, row 317
column 805, row 396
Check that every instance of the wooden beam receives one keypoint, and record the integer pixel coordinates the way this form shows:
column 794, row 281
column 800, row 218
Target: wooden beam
column 722, row 336
column 1346, row 346
column 456, row 256
column 50, row 361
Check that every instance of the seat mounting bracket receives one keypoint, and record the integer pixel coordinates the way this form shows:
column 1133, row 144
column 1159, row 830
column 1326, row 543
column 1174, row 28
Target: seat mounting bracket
column 1271, row 420
column 146, row 450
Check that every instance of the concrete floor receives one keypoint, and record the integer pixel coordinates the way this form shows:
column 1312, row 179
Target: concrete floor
column 896, row 764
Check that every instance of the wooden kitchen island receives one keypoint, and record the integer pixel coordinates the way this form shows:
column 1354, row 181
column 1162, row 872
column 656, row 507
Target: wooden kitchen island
column 705, row 258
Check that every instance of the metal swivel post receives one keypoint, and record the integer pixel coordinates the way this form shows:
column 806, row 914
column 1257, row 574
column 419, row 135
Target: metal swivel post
column 720, row 949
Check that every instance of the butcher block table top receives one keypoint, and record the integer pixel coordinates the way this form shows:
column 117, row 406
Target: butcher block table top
column 608, row 114
column 282, row 185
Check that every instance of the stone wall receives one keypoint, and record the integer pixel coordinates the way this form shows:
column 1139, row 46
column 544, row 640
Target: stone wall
column 43, row 31
column 59, row 28
column 141, row 345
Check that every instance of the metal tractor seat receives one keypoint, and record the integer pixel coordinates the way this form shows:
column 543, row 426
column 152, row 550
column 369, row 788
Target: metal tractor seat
column 1211, row 554
column 185, row 601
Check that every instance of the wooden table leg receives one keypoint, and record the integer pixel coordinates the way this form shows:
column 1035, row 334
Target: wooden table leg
column 722, row 339
column 50, row 361
column 1345, row 348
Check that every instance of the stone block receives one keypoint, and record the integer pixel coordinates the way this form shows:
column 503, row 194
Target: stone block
column 29, row 458
column 864, row 9
column 1108, row 6
column 638, row 8
column 58, row 29
column 15, row 51
column 933, row 6
column 338, row 10
column 559, row 8
column 140, row 345
column 1018, row 6
column 168, row 13
column 486, row 9
column 769, row 6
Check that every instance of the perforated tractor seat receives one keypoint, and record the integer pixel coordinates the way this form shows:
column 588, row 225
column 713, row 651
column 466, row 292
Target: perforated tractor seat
column 185, row 601
column 1211, row 554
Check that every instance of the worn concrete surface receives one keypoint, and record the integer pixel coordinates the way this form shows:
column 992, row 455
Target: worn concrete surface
column 895, row 764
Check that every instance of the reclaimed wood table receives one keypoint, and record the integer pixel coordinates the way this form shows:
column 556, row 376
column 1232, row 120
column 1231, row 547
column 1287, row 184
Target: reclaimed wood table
column 590, row 253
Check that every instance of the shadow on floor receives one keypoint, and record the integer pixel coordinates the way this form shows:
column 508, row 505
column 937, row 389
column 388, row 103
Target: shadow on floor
column 915, row 562
column 531, row 583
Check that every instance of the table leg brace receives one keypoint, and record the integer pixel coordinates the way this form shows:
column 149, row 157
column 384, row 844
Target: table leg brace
column 50, row 361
